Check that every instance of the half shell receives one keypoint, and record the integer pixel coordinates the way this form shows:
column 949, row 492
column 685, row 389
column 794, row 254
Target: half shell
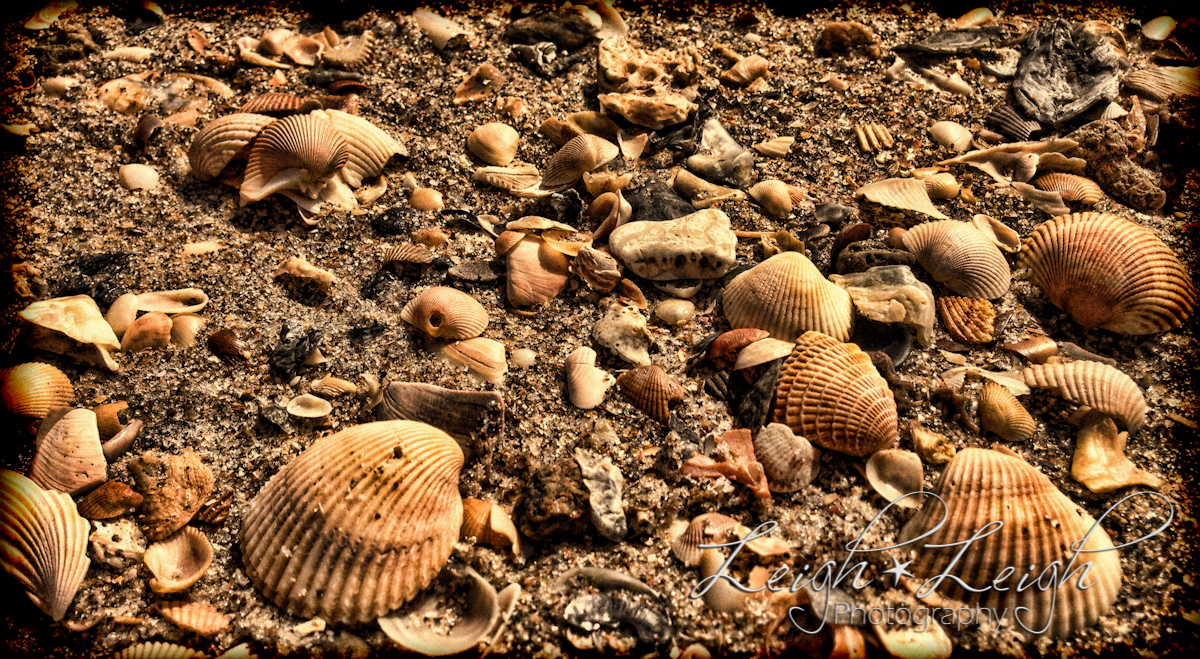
column 490, row 524
column 536, row 272
column 197, row 617
column 895, row 473
column 786, row 295
column 34, row 389
column 960, row 256
column 152, row 330
column 773, row 197
column 967, row 319
column 446, row 313
column 903, row 193
column 1070, row 187
column 369, row 147
column 587, row 384
column 179, row 561
column 69, row 458
column 581, row 154
column 1094, row 384
column 112, row 499
column 651, row 390
column 1000, row 412
column 222, row 140
column 464, row 415
column 182, row 300
column 293, row 153
column 352, row 54
column 494, row 143
column 482, row 356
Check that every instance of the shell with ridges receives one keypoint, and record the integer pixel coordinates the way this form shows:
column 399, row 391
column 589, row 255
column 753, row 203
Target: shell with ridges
column 494, row 143
column 709, row 528
column 179, row 561
column 358, row 523
column 482, row 356
column 291, row 153
column 773, row 197
column 651, row 390
column 1110, row 273
column 515, row 177
column 786, row 295
column 903, row 193
column 446, row 313
column 790, row 461
column 197, row 617
column 536, row 272
column 34, row 389
column 1070, row 187
column 1160, row 83
column 1001, row 235
column 369, row 147
column 1094, row 384
column 1000, row 412
column 960, row 256
column 746, row 70
column 69, row 458
column 275, row 104
column 112, row 499
column 173, row 486
column 221, row 140
column 352, row 54
column 159, row 650
column 967, row 319
column 942, row 185
column 331, row 387
column 581, row 154
column 776, row 147
column 587, row 384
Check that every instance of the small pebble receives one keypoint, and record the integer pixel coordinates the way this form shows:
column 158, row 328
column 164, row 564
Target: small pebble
column 675, row 312
column 138, row 177
column 430, row 238
column 523, row 358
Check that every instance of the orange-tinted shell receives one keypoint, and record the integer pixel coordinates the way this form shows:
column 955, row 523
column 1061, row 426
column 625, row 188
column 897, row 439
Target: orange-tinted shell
column 1070, row 187
column 276, row 103
column 159, row 650
column 960, row 256
column 786, row 295
column 581, row 154
column 967, row 319
column 1094, row 384
column 222, row 140
column 490, row 524
column 173, row 487
column 446, row 313
column 293, row 151
column 651, row 390
column 1000, row 412
column 536, row 272
column 198, row 617
column 353, row 54
column 34, row 389
column 69, row 458
column 179, row 561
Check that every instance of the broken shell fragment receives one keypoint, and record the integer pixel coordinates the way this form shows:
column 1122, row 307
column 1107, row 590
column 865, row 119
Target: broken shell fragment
column 162, row 650
column 789, row 461
column 438, row 29
column 69, row 457
column 482, row 356
column 481, row 615
column 352, row 54
column 490, row 524
column 173, row 487
column 960, row 256
column 77, row 317
column 776, row 147
column 932, row 447
column 786, row 295
column 599, row 269
column 1047, row 201
column 623, row 330
column 446, row 313
column 197, row 617
column 308, row 406
column 464, row 415
column 183, row 300
column 582, row 154
column 735, row 460
column 746, row 70
column 903, row 193
column 179, row 561
column 494, row 143
column 299, row 267
column 895, row 473
column 1096, row 385
column 184, row 328
column 1099, row 461
column 331, row 387
column 587, row 384
column 112, row 499
column 651, row 390
column 153, row 330
column 761, row 352
column 1000, row 412
column 34, row 389
column 873, row 137
column 1001, row 235
column 967, row 319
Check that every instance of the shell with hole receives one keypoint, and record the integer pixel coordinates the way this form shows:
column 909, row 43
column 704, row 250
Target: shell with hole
column 786, row 296
column 446, row 313
column 960, row 256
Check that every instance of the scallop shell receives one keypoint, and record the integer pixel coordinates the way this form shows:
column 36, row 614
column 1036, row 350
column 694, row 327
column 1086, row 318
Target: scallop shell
column 1110, row 273
column 152, row 330
column 353, row 54
column 197, row 617
column 308, row 406
column 494, row 143
column 45, row 542
column 159, row 650
column 967, row 319
column 706, row 529
column 746, row 70
column 960, row 256
column 581, row 154
column 651, row 390
column 830, row 393
column 179, row 560
column 1094, row 384
column 34, row 389
column 291, row 153
column 446, row 313
column 182, row 300
column 951, row 135
column 790, row 462
column 69, row 458
column 773, row 197
column 1071, row 187
column 278, row 104
column 516, row 177
column 315, row 551
column 369, row 146
column 903, row 193
column 221, row 140
column 587, row 384
column 1000, row 412
column 873, row 137
column 1007, row 120
column 112, row 499
column 482, row 356
column 1161, row 83
column 173, row 486
column 894, row 473
column 786, row 295
column 1040, row 525
column 490, row 524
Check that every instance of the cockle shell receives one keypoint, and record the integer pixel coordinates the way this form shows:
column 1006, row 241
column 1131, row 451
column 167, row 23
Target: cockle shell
column 1070, row 187
column 651, row 390
column 45, row 542
column 173, row 488
column 581, row 154
column 1096, row 385
column 536, row 272
column 197, row 617
column 490, row 524
column 482, row 356
column 183, row 300
column 152, row 330
column 786, row 295
column 369, row 147
column 69, row 458
column 112, row 499
column 790, row 462
column 717, row 528
column 830, row 393
column 587, row 384
column 903, row 193
column 1000, row 412
column 1040, row 525
column 277, row 104
column 942, row 185
column 159, row 650
column 1160, row 83
column 762, row 351
column 1110, row 273
column 292, row 153
column 773, row 197
column 331, row 387
column 353, row 54
column 967, row 319
column 494, row 143
column 960, row 256
column 446, row 313
column 894, row 473
column 223, row 139
column 34, row 389
column 179, row 560
column 468, row 416
column 358, row 523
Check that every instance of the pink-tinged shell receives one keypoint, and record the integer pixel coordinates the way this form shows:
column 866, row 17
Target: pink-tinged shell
column 1094, row 384
column 536, row 272
column 1035, row 349
column 903, row 193
column 830, row 393
column 1040, row 525
column 967, row 319
column 724, row 349
column 69, row 458
column 159, row 650
column 369, row 147
column 482, row 356
column 222, row 140
column 112, row 499
column 197, row 617
column 1161, row 83
column 1110, row 273
column 292, row 152
column 1000, row 412
column 34, row 389
column 651, row 390
column 174, row 488
column 152, row 330
column 490, row 525
column 446, row 313
column 599, row 269
column 960, row 256
column 1070, row 187
column 315, row 551
column 45, row 542
column 790, row 462
column 786, row 296
column 179, row 560
column 581, row 154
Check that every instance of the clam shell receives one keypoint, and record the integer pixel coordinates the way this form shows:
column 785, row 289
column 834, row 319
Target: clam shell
column 183, row 300
column 790, row 462
column 291, row 153
column 1110, row 273
column 331, row 387
column 1000, row 412
column 773, row 197
column 76, row 316
column 197, row 617
column 1161, row 83
column 490, row 524
column 903, row 193
column 426, row 199
column 122, row 313
column 536, row 272
column 409, row 255
column 221, row 140
column 786, row 296
column 152, row 330
column 308, row 406
column 494, row 143
column 482, row 611
column 446, row 313
column 587, row 385
column 762, row 351
column 315, row 551
column 960, row 256
column 226, row 345
column 1070, row 187
column 581, row 154
column 45, row 542
column 184, row 329
column 69, row 458
column 276, row 104
column 942, row 185
column 483, row 356
column 353, row 54
column 595, row 123
column 121, row 442
column 369, row 146
column 1096, row 385
column 173, row 486
column 894, row 473
column 112, row 499
column 724, row 349
column 1007, row 120
column 179, row 560
column 516, row 177
column 159, row 650
column 951, row 135
column 1040, row 524
column 967, row 319
column 464, row 415
column 34, row 389
column 830, row 393
column 1035, row 349
column 651, row 390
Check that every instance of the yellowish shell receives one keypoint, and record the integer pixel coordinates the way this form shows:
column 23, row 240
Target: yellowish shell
column 1070, row 187
column 174, row 488
column 69, row 458
column 1000, row 412
column 331, row 387
column 490, row 524
column 221, row 140
column 967, row 319
column 581, row 154
column 183, row 300
column 34, row 389
column 873, row 137
column 369, row 147
column 773, row 197
column 960, row 256
column 1160, row 83
column 651, row 390
column 1096, row 385
column 942, row 185
column 536, row 272
column 184, row 329
column 308, row 406
column 197, row 617
column 293, row 152
column 516, row 177
column 903, row 193
column 494, row 143
column 446, row 313
column 179, row 560
column 358, row 523
column 482, row 356
column 894, row 473
column 786, row 296
column 951, row 135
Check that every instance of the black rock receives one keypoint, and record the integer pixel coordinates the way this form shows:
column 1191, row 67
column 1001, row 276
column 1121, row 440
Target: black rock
column 360, row 334
column 656, row 202
column 295, row 345
column 860, row 257
column 1066, row 70
column 567, row 27
column 539, row 57
column 833, row 214
column 756, row 404
column 392, row 222
column 94, row 264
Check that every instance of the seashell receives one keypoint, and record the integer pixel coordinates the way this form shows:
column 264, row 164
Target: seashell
column 122, row 313
column 1099, row 461
column 582, row 154
column 490, row 524
column 1160, row 83
column 776, row 147
column 599, row 269
column 445, row 313
column 593, row 123
column 960, row 256
column 370, row 147
column 226, row 345
column 517, row 177
column 159, row 650
column 723, row 349
column 702, row 193
column 183, row 300
column 136, row 176
column 977, row 16
column 951, row 135
column 903, row 193
column 184, row 329
column 34, row 389
column 120, row 443
column 720, row 596
column 112, row 499
column 441, row 31
column 1094, row 384
column 601, row 182
column 331, row 387
column 461, row 414
column 537, row 223
column 675, row 312
column 179, row 561
column 536, row 272
column 308, row 406
column 558, row 132
column 1114, row 111
column 494, row 143
column 762, row 351
column 481, row 614
column 298, row 266
column 481, row 82
column 316, row 552
column 109, row 418
column 932, row 447
column 483, row 356
column 830, row 393
column 291, row 154
column 353, row 54
column 69, row 458
column 1009, row 121
column 426, row 199
column 967, row 319
column 786, row 296
column 746, row 70
column 48, row 15
column 942, row 185
column 276, row 104
column 173, row 487
column 790, row 462
column 716, row 528
column 632, row 146
column 1049, row 202
column 1070, row 187
column 587, row 385
column 773, row 197
column 651, row 390
column 197, row 617
column 1040, row 525
column 152, row 330
column 1036, row 349
column 895, row 473
column 1159, row 29
column 873, row 137
column 76, row 316
column 999, row 233
column 1110, row 273
column 1000, row 412
column 221, row 140
column 1003, row 157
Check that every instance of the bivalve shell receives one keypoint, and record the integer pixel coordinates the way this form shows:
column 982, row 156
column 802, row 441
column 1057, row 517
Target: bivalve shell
column 222, row 140
column 510, row 179
column 494, row 143
column 34, row 389
column 790, row 461
column 942, row 185
column 1094, row 384
column 352, row 54
column 112, row 499
column 159, row 650
column 776, row 147
column 773, row 197
column 152, row 330
column 358, row 523
column 183, row 300
column 582, row 154
column 746, row 70
column 895, row 473
column 292, row 153
column 446, row 313
column 536, row 272
column 587, row 384
column 197, row 617
column 651, row 390
column 960, row 256
column 277, row 104
column 786, row 295
column 1070, row 187
column 490, row 524
column 903, row 193
column 951, row 135
column 308, row 406
column 1000, row 412
column 967, row 319
column 174, row 488
column 482, row 356
column 1161, row 83
column 179, row 560
column 368, row 145
column 331, row 387
column 69, row 458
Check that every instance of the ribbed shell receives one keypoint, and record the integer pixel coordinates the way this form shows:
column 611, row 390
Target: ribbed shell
column 960, row 256
column 307, row 142
column 353, row 54
column 34, row 389
column 706, row 529
column 1094, row 384
column 179, row 561
column 446, row 313
column 1008, row 121
column 776, row 147
column 331, row 387
column 277, row 104
column 1070, row 187
column 1040, row 524
column 112, row 499
column 494, row 143
column 786, row 295
column 1160, row 83
column 198, row 617
column 967, row 319
column 462, row 414
column 358, row 523
column 1000, row 412
column 1110, row 273
column 173, row 488
column 587, row 384
column 942, row 185
column 159, row 650
column 581, row 154
column 482, row 356
column 221, row 140
column 69, row 458
column 516, row 177
column 773, row 197
column 831, row 394
column 903, row 193
column 45, row 542
column 790, row 462
column 369, row 146
column 408, row 254
column 651, row 390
